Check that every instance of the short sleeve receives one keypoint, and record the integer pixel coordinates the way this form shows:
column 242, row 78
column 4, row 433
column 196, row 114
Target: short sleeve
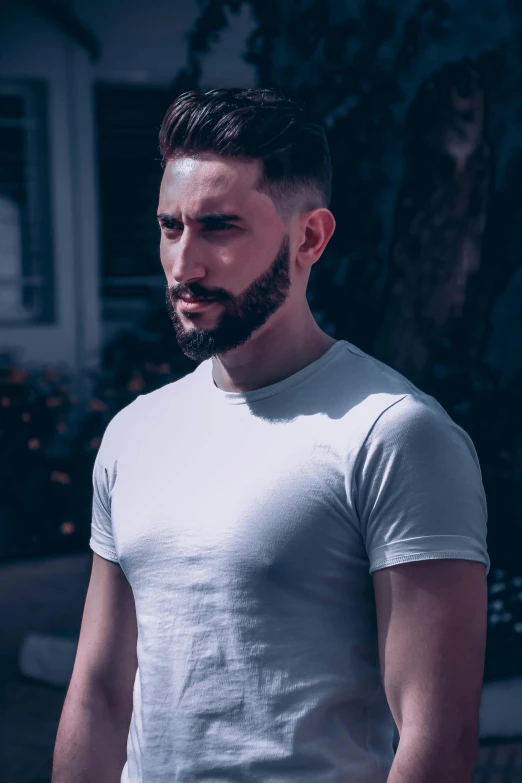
column 101, row 540
column 418, row 488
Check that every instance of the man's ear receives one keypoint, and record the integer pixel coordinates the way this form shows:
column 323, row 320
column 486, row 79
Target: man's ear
column 317, row 228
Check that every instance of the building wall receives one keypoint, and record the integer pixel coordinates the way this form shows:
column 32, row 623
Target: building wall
column 32, row 47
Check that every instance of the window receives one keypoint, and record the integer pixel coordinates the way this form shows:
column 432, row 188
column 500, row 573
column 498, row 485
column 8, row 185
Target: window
column 128, row 122
column 26, row 269
column 128, row 119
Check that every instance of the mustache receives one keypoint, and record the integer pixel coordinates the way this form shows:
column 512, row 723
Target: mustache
column 196, row 291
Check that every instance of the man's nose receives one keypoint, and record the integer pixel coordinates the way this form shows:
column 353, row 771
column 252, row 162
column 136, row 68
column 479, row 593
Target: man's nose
column 186, row 261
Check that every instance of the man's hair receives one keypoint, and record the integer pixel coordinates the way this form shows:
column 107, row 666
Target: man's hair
column 255, row 124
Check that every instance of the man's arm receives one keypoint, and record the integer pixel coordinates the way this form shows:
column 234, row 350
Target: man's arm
column 91, row 744
column 432, row 623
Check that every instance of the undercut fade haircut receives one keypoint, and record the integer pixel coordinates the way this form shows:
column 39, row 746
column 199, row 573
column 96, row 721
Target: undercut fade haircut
column 255, row 124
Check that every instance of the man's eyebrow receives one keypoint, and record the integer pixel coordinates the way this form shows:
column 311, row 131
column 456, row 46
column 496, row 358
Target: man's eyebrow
column 213, row 217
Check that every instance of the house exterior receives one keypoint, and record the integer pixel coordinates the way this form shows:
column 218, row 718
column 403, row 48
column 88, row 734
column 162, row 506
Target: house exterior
column 83, row 88
column 49, row 308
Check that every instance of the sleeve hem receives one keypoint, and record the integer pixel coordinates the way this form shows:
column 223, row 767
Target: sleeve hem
column 107, row 554
column 419, row 556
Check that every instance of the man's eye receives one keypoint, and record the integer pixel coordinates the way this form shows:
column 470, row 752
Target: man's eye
column 217, row 227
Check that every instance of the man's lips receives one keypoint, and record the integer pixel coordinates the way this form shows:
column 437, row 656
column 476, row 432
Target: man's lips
column 195, row 304
column 197, row 298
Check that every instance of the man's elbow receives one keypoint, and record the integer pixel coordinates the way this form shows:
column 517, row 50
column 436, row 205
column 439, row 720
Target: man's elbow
column 452, row 749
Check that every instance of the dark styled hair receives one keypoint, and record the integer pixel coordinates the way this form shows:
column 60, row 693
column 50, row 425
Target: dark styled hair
column 255, row 124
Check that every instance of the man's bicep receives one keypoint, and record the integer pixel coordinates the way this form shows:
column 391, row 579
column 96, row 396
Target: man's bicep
column 106, row 659
column 432, row 623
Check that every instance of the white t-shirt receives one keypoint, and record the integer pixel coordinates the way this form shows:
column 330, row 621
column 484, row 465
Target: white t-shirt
column 248, row 525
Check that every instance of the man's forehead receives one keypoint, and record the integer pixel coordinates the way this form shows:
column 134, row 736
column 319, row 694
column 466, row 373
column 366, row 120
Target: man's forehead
column 202, row 187
column 221, row 175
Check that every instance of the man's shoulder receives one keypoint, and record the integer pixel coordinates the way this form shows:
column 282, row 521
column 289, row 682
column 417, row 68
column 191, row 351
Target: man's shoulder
column 170, row 393
column 172, row 396
column 372, row 376
column 384, row 400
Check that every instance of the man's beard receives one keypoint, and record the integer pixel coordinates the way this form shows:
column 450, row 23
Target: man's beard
column 241, row 316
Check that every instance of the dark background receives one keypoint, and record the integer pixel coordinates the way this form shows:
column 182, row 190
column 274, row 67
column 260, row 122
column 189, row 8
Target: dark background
column 422, row 102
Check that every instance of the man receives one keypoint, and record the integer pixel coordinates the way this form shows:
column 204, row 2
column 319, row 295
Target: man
column 289, row 542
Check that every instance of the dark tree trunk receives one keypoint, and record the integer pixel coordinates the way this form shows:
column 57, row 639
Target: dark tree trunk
column 440, row 218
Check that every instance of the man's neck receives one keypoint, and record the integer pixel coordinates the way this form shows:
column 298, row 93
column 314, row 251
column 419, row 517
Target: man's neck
column 251, row 368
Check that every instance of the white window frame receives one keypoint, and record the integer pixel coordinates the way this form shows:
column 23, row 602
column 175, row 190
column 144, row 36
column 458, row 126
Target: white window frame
column 35, row 219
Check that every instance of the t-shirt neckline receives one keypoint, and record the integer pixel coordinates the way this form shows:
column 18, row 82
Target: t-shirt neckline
column 238, row 398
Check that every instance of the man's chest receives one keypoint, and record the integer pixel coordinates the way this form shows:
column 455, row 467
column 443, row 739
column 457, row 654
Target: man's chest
column 235, row 508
